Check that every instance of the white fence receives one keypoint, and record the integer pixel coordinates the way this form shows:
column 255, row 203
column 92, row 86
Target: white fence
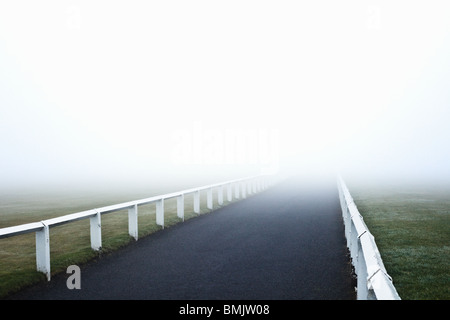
column 242, row 187
column 373, row 282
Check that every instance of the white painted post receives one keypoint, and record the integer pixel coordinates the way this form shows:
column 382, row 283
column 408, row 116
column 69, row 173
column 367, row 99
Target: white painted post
column 43, row 251
column 347, row 225
column 209, row 199
column 180, row 206
column 361, row 272
column 229, row 192
column 197, row 202
column 220, row 196
column 96, row 231
column 353, row 248
column 133, row 221
column 244, row 190
column 236, row 190
column 160, row 213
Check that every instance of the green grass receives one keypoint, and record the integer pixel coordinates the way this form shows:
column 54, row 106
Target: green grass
column 70, row 243
column 411, row 226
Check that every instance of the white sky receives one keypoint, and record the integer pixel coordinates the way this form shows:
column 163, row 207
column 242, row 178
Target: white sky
column 96, row 89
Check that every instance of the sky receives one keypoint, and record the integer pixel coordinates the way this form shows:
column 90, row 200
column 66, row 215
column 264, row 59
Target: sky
column 111, row 91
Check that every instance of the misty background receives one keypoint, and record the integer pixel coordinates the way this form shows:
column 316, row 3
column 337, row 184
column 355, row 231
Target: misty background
column 110, row 92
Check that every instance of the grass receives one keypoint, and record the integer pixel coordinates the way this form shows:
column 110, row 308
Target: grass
column 411, row 226
column 70, row 243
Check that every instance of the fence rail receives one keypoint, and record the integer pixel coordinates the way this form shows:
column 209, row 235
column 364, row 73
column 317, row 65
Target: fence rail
column 241, row 187
column 373, row 282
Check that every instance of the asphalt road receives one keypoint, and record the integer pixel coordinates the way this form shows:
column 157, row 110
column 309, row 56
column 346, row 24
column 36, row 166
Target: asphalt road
column 284, row 243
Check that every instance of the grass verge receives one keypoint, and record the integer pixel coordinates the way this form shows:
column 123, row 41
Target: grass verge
column 411, row 228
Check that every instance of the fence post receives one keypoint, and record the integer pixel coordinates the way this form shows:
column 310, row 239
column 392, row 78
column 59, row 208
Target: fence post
column 180, row 206
column 133, row 221
column 209, row 199
column 160, row 213
column 220, row 196
column 244, row 190
column 96, row 231
column 43, row 250
column 229, row 192
column 236, row 190
column 353, row 248
column 361, row 272
column 197, row 201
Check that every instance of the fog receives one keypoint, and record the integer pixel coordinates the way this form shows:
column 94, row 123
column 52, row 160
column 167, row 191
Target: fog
column 111, row 92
